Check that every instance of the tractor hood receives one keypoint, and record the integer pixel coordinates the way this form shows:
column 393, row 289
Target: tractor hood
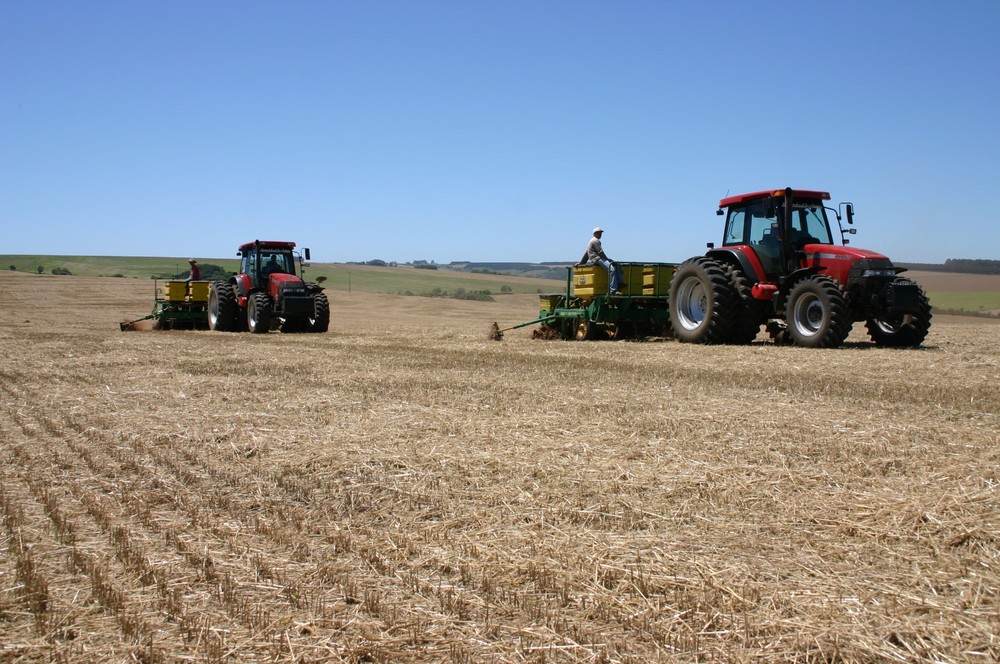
column 841, row 262
column 281, row 279
column 837, row 252
column 282, row 285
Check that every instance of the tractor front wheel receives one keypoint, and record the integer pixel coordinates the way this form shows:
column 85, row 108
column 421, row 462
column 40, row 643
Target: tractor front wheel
column 223, row 311
column 902, row 331
column 320, row 320
column 817, row 314
column 259, row 313
column 702, row 302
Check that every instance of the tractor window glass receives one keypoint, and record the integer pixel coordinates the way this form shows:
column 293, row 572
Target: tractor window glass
column 761, row 227
column 246, row 265
column 276, row 263
column 735, row 227
column 749, row 225
column 811, row 223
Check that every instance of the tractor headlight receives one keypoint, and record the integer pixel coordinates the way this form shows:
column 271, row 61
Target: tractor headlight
column 878, row 273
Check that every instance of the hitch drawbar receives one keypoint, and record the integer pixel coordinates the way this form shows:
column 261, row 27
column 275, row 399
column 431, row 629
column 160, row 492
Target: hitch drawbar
column 496, row 333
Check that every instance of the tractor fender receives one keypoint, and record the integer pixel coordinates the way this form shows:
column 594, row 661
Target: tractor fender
column 744, row 258
column 243, row 285
column 798, row 275
column 788, row 282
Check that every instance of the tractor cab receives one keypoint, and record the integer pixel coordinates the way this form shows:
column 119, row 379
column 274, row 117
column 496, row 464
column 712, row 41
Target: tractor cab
column 262, row 259
column 764, row 225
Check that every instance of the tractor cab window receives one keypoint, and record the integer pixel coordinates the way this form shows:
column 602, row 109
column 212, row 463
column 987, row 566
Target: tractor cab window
column 735, row 227
column 747, row 225
column 276, row 263
column 809, row 223
column 248, row 260
column 752, row 225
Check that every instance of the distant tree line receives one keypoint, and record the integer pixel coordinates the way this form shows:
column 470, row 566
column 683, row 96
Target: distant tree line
column 537, row 270
column 972, row 266
column 959, row 265
column 457, row 294
column 377, row 262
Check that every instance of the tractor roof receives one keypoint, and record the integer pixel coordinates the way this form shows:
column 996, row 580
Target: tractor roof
column 267, row 244
column 777, row 193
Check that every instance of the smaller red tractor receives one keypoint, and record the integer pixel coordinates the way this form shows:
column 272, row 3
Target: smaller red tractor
column 779, row 265
column 267, row 294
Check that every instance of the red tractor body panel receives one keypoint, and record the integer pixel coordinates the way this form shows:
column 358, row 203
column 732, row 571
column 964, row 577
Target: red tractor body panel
column 243, row 284
column 757, row 195
column 752, row 257
column 835, row 260
column 278, row 281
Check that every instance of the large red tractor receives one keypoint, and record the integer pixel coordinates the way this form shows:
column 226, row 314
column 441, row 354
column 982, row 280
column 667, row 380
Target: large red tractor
column 267, row 294
column 778, row 265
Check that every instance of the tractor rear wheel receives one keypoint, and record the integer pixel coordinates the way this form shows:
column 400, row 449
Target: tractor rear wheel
column 907, row 330
column 259, row 313
column 223, row 311
column 817, row 314
column 320, row 320
column 702, row 302
column 750, row 311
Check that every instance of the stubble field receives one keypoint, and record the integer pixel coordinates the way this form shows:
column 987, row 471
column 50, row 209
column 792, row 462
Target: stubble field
column 404, row 489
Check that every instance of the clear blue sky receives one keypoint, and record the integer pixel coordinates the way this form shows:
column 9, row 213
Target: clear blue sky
column 490, row 131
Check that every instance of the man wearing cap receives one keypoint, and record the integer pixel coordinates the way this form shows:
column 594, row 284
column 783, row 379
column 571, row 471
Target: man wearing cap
column 195, row 274
column 595, row 256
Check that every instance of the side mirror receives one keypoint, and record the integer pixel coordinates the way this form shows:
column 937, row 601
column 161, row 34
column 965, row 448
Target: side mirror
column 308, row 258
column 769, row 211
column 850, row 212
column 718, row 212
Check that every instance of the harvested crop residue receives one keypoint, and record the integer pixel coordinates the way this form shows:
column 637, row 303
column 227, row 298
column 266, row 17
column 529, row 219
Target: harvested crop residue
column 404, row 489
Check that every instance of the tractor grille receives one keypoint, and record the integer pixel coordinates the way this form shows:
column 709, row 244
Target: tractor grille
column 867, row 285
column 299, row 305
column 902, row 297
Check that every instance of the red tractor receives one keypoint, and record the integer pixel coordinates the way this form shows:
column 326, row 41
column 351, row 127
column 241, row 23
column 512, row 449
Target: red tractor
column 778, row 265
column 267, row 294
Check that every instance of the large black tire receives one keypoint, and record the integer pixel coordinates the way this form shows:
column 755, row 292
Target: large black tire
column 703, row 304
column 259, row 313
column 223, row 311
column 903, row 331
column 751, row 312
column 816, row 313
column 320, row 320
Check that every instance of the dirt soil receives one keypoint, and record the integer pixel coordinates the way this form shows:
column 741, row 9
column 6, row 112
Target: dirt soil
column 404, row 489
